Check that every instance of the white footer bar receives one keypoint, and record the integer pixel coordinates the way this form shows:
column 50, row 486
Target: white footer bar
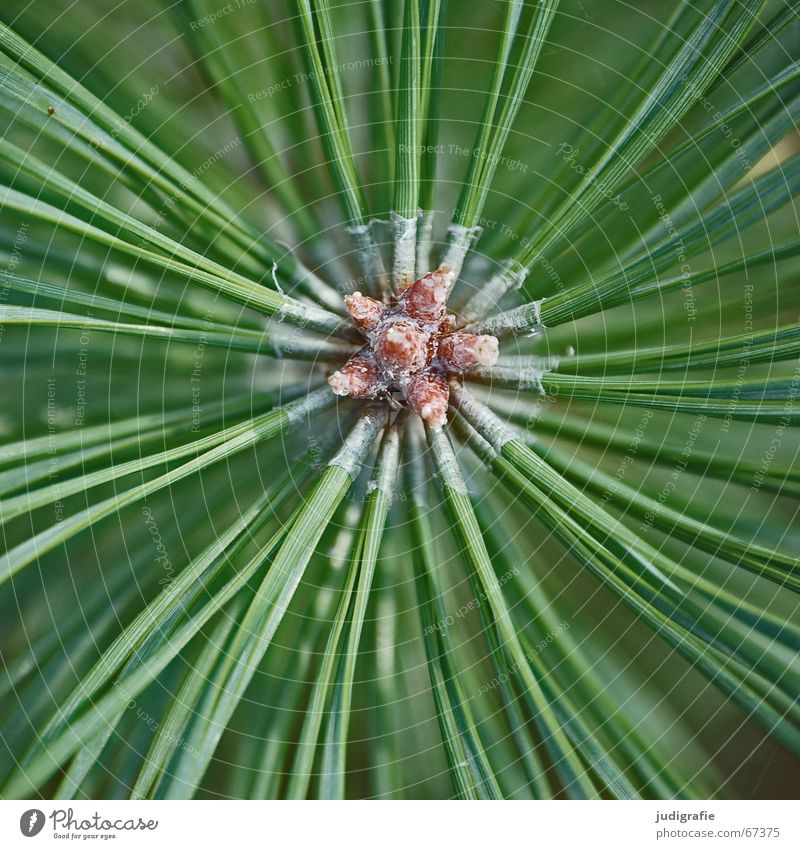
column 395, row 824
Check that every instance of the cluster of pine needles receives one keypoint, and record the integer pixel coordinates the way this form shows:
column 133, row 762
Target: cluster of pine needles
column 219, row 579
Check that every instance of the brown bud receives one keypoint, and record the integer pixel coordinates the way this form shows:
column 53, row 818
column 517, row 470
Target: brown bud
column 401, row 347
column 464, row 351
column 358, row 378
column 366, row 312
column 426, row 298
column 428, row 395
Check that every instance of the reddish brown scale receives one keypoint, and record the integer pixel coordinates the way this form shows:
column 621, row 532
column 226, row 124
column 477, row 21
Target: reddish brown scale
column 447, row 325
column 428, row 396
column 359, row 377
column 401, row 347
column 464, row 351
column 366, row 312
column 426, row 299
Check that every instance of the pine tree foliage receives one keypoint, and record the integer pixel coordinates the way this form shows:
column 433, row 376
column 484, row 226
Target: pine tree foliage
column 219, row 579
